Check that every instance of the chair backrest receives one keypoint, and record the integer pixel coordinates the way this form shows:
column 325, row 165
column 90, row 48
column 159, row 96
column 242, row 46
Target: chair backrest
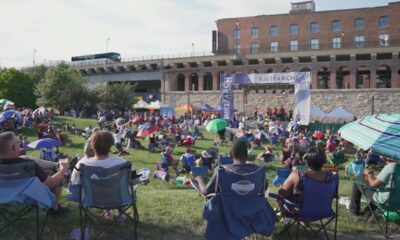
column 394, row 199
column 106, row 187
column 199, row 171
column 188, row 161
column 225, row 160
column 247, row 184
column 17, row 171
column 213, row 152
column 283, row 172
column 317, row 198
column 356, row 168
column 164, row 159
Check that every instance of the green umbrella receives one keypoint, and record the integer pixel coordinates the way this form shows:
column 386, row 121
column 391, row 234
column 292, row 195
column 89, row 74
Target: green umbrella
column 380, row 133
column 216, row 125
column 4, row 102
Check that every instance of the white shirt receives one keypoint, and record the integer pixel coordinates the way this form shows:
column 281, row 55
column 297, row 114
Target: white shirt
column 105, row 163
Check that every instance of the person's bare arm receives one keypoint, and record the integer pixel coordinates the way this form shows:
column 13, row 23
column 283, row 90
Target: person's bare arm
column 56, row 178
column 287, row 187
column 371, row 179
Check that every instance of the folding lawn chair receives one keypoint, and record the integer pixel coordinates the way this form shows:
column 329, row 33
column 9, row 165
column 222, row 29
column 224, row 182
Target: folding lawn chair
column 188, row 162
column 315, row 207
column 213, row 152
column 224, row 160
column 390, row 210
column 199, row 171
column 238, row 208
column 20, row 188
column 281, row 175
column 106, row 189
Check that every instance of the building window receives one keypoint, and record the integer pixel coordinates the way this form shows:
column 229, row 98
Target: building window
column 383, row 21
column 273, row 31
column 274, row 46
column 336, row 42
column 359, row 41
column 314, row 44
column 236, row 34
column 384, row 39
column 294, row 45
column 314, row 27
column 255, row 47
column 293, row 29
column 254, row 32
column 359, row 23
column 236, row 48
column 335, row 25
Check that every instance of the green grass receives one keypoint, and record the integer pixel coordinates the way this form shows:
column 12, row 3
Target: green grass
column 167, row 211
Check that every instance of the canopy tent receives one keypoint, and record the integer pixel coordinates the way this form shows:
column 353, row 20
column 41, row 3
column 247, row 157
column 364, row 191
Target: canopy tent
column 11, row 114
column 380, row 133
column 340, row 113
column 5, row 103
column 185, row 108
column 141, row 105
column 317, row 112
column 206, row 108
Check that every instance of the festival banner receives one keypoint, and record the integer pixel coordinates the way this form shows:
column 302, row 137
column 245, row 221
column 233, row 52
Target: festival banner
column 227, row 98
column 301, row 81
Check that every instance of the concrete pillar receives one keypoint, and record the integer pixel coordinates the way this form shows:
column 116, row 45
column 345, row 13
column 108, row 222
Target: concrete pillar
column 395, row 78
column 353, row 77
column 314, row 76
column 201, row 82
column 187, row 82
column 372, row 77
column 332, row 79
column 215, row 77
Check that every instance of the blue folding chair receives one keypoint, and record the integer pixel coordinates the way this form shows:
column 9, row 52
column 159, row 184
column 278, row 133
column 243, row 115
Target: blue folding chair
column 106, row 189
column 199, row 171
column 239, row 208
column 315, row 207
column 225, row 160
column 188, row 162
column 19, row 187
column 281, row 175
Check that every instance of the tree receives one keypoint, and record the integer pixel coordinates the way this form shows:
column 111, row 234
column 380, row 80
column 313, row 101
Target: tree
column 36, row 73
column 117, row 96
column 62, row 88
column 17, row 87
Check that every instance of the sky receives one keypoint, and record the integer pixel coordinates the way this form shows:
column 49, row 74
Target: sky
column 55, row 30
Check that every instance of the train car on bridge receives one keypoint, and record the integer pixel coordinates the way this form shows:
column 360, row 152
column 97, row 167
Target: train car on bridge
column 99, row 58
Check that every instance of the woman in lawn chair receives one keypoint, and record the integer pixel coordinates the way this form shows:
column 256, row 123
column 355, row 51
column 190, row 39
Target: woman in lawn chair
column 238, row 207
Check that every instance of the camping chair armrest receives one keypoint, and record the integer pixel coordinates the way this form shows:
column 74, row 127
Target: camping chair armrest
column 364, row 184
column 209, row 196
column 282, row 200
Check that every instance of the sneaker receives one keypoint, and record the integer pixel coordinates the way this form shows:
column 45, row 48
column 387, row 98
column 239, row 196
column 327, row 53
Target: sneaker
column 108, row 215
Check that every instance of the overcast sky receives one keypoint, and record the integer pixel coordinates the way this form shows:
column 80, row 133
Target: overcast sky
column 59, row 29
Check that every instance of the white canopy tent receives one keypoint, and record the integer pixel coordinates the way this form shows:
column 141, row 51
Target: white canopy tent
column 340, row 113
column 141, row 105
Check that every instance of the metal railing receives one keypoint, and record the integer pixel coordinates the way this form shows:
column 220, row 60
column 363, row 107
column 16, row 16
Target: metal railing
column 158, row 58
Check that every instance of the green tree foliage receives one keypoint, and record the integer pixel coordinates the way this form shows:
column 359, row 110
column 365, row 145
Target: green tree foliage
column 117, row 96
column 36, row 73
column 62, row 88
column 17, row 87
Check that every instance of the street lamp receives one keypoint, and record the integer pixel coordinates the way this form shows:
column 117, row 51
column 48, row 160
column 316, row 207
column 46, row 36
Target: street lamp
column 34, row 56
column 192, row 49
column 342, row 39
column 235, row 48
column 108, row 40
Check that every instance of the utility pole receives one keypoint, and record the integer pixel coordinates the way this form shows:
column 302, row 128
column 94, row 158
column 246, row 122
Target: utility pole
column 34, row 56
column 108, row 40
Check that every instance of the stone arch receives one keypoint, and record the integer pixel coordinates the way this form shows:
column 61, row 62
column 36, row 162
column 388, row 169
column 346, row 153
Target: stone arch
column 384, row 77
column 194, row 82
column 269, row 70
column 323, row 78
column 343, row 77
column 180, row 82
column 218, row 79
column 305, row 69
column 253, row 71
column 363, row 77
column 286, row 69
column 207, row 81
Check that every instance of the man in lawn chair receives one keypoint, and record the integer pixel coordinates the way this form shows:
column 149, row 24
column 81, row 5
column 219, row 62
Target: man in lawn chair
column 382, row 194
column 238, row 207
column 10, row 154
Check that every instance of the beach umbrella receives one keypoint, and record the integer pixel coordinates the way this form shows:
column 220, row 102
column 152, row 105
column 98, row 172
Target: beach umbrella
column 145, row 132
column 136, row 120
column 216, row 125
column 120, row 121
column 10, row 114
column 5, row 102
column 185, row 108
column 319, row 135
column 380, row 133
column 44, row 143
column 39, row 110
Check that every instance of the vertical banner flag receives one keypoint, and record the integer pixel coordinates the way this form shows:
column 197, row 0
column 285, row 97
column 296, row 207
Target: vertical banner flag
column 227, row 100
column 302, row 95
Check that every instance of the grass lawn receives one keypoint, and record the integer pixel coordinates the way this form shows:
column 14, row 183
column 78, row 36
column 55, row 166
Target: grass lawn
column 167, row 211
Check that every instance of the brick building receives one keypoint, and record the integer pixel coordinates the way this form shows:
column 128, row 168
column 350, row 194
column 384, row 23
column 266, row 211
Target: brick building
column 343, row 49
